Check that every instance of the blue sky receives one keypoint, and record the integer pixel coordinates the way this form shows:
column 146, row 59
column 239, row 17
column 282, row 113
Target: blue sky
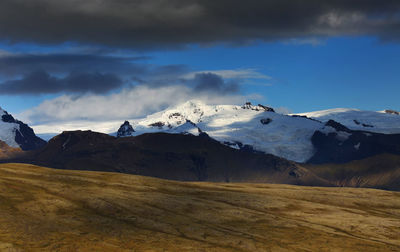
column 356, row 72
column 64, row 62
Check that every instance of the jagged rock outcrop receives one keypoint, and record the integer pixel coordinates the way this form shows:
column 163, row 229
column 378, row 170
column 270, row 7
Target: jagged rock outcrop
column 125, row 130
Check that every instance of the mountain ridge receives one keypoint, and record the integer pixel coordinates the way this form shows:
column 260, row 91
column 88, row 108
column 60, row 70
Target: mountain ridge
column 168, row 156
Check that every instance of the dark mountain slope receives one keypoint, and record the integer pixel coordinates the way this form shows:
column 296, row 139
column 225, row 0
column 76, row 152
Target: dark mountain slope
column 344, row 145
column 169, row 156
column 380, row 171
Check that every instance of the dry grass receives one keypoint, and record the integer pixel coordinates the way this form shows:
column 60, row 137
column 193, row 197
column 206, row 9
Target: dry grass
column 55, row 210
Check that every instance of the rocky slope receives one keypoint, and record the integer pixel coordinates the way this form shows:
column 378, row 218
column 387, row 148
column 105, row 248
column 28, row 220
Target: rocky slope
column 338, row 144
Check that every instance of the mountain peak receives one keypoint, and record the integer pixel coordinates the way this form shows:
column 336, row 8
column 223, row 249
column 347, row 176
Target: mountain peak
column 125, row 130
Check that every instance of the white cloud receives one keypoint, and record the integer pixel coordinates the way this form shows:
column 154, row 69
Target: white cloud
column 104, row 113
column 248, row 73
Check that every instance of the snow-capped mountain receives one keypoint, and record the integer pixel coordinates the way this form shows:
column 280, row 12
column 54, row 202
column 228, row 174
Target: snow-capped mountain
column 259, row 128
column 17, row 134
column 386, row 122
column 248, row 126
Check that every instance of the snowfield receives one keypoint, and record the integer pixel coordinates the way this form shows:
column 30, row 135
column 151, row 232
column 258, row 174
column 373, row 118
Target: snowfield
column 379, row 122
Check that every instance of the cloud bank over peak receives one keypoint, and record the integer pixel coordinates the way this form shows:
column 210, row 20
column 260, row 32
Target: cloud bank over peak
column 104, row 113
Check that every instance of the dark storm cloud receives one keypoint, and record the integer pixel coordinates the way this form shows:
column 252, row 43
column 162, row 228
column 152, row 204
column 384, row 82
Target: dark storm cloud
column 37, row 73
column 172, row 23
column 43, row 83
column 211, row 82
column 28, row 74
column 11, row 65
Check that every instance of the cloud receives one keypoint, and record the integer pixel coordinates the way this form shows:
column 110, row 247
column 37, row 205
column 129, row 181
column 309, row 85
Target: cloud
column 33, row 74
column 175, row 23
column 41, row 82
column 247, row 73
column 19, row 64
column 105, row 113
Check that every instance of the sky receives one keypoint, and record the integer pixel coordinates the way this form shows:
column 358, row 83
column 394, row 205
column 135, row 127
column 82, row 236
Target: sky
column 69, row 64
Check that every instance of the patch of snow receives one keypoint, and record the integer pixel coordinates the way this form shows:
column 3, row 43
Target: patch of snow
column 342, row 136
column 357, row 146
column 66, row 142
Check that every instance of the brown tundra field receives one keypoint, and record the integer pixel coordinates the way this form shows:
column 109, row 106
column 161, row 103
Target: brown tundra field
column 44, row 209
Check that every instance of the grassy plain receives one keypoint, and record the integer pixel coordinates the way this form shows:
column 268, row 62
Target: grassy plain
column 45, row 209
